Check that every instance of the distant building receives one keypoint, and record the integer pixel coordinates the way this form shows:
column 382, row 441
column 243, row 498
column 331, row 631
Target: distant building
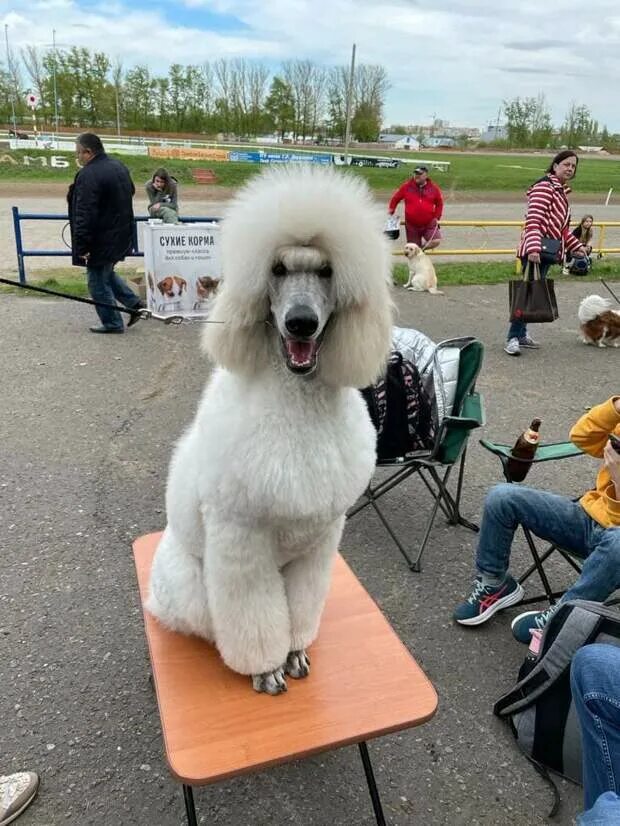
column 494, row 132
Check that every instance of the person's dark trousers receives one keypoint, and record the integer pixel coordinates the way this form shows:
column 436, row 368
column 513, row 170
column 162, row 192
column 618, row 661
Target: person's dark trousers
column 518, row 329
column 106, row 286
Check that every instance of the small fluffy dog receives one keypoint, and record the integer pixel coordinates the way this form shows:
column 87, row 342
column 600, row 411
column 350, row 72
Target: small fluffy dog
column 600, row 325
column 282, row 444
column 422, row 274
column 206, row 287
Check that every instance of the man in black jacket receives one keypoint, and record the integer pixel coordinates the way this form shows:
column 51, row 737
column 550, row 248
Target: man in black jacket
column 101, row 219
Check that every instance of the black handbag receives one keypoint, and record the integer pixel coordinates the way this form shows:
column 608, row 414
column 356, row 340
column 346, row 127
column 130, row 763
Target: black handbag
column 550, row 250
column 532, row 298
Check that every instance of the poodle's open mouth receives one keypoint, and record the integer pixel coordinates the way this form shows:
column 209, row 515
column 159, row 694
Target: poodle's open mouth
column 301, row 354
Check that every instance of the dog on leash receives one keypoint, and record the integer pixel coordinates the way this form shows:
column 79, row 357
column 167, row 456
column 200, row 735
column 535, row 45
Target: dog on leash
column 422, row 276
column 282, row 443
column 600, row 325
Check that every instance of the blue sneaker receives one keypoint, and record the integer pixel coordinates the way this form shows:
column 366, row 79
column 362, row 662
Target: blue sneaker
column 486, row 600
column 523, row 625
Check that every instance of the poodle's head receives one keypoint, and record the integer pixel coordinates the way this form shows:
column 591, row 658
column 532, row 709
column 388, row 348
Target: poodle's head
column 412, row 250
column 306, row 279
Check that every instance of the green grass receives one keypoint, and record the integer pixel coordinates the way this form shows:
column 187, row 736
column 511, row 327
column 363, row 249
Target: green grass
column 475, row 172
column 72, row 281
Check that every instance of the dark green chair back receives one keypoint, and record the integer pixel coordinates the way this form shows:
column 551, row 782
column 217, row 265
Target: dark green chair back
column 468, row 408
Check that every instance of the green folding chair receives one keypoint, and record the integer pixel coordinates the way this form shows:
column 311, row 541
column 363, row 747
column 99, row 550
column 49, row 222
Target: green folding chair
column 434, row 467
column 545, row 453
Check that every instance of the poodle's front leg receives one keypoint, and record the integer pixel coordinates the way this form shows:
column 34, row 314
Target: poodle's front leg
column 248, row 603
column 307, row 579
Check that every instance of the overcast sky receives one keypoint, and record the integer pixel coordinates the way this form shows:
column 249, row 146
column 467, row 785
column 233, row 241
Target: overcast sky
column 456, row 59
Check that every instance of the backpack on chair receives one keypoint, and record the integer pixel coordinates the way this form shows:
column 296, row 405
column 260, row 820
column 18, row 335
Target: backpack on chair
column 401, row 410
column 539, row 708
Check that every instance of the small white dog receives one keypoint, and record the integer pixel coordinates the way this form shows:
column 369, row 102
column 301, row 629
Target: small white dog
column 282, row 443
column 422, row 274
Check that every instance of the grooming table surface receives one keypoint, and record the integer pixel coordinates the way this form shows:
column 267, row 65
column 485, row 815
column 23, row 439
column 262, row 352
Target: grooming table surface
column 363, row 683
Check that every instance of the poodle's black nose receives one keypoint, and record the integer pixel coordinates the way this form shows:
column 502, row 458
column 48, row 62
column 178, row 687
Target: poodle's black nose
column 301, row 321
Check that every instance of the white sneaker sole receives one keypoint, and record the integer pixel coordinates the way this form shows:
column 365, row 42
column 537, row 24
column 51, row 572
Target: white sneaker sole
column 512, row 599
column 511, row 353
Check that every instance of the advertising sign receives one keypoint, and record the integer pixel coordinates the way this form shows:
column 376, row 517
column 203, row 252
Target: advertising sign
column 193, row 154
column 248, row 157
column 182, row 267
column 294, row 157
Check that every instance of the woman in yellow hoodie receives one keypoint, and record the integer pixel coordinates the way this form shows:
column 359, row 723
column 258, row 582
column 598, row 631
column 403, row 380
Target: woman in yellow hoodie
column 589, row 528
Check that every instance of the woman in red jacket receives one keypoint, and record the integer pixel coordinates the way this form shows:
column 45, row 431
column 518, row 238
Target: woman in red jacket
column 423, row 208
column 547, row 216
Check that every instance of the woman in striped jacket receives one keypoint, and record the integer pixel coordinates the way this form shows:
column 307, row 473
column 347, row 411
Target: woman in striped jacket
column 547, row 216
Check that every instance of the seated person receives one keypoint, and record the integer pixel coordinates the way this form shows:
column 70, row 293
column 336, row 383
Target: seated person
column 161, row 191
column 583, row 232
column 595, row 685
column 588, row 528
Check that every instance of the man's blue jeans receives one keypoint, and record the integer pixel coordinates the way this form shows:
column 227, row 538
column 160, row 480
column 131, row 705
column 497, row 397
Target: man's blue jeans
column 106, row 286
column 554, row 518
column 595, row 685
column 518, row 329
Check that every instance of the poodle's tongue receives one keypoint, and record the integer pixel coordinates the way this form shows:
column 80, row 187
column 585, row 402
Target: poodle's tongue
column 300, row 353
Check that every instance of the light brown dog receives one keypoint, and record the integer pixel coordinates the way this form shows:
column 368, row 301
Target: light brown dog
column 422, row 276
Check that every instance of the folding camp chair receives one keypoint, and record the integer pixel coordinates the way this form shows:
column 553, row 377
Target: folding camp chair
column 544, row 453
column 435, row 466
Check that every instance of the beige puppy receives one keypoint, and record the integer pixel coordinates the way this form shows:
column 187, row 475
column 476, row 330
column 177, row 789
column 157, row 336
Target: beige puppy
column 421, row 271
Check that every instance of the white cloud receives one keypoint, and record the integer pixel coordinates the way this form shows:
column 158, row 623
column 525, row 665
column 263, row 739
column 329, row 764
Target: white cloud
column 455, row 60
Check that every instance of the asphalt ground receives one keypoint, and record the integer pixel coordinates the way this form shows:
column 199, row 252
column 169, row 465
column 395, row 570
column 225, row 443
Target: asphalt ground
column 88, row 425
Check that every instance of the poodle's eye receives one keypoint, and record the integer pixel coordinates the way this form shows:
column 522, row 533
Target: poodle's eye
column 278, row 269
column 325, row 271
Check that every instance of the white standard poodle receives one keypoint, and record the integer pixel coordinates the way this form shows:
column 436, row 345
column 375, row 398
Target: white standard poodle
column 282, row 443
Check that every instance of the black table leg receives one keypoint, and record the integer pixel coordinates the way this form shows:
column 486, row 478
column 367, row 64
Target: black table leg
column 189, row 805
column 372, row 786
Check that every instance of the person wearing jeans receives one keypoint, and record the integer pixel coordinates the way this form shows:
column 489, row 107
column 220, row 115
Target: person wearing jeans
column 589, row 528
column 595, row 686
column 101, row 218
column 106, row 286
column 547, row 216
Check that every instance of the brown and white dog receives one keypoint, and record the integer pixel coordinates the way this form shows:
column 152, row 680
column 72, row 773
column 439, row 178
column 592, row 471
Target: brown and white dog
column 600, row 325
column 422, row 276
column 171, row 289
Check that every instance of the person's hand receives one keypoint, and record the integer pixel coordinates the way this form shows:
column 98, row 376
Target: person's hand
column 155, row 207
column 612, row 463
column 86, row 257
column 534, row 257
column 580, row 253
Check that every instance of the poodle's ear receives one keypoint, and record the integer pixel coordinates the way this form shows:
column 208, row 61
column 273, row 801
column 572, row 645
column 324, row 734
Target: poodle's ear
column 241, row 342
column 357, row 344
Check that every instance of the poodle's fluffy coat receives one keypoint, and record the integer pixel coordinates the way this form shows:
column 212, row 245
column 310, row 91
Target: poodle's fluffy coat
column 281, row 444
column 599, row 324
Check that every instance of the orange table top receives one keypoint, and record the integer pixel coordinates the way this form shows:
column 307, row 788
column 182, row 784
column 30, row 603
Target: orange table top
column 363, row 683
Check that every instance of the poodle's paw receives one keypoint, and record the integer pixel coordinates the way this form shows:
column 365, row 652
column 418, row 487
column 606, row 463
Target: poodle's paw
column 270, row 682
column 297, row 664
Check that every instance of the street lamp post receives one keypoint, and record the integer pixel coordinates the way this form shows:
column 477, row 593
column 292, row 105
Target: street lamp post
column 54, row 79
column 8, row 66
column 349, row 111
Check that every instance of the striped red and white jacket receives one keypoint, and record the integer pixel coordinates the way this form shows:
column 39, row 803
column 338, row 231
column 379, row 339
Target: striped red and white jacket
column 547, row 216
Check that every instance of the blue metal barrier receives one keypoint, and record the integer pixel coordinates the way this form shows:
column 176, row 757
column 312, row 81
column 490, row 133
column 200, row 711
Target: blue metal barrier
column 18, row 217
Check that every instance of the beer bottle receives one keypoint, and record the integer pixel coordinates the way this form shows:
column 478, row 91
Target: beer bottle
column 524, row 450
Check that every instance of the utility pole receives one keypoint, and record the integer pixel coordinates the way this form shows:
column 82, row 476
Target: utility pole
column 8, row 66
column 349, row 110
column 55, row 90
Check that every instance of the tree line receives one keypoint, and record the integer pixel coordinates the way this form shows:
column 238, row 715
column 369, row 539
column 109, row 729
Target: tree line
column 528, row 124
column 234, row 97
